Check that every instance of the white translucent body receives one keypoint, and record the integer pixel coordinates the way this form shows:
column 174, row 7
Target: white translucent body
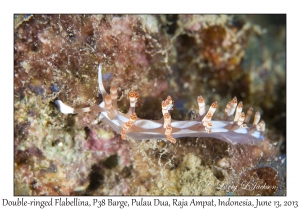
column 142, row 129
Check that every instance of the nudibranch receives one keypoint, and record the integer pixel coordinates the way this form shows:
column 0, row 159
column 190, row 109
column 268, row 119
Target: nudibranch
column 129, row 125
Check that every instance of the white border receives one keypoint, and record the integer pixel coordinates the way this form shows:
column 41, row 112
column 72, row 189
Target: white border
column 54, row 6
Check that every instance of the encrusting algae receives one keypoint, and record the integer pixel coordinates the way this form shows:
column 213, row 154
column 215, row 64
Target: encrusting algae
column 146, row 58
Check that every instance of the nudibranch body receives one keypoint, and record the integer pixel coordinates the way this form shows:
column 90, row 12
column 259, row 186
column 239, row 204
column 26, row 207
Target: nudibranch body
column 129, row 125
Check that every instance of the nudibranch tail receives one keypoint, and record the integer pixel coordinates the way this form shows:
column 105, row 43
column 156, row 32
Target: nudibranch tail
column 129, row 125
